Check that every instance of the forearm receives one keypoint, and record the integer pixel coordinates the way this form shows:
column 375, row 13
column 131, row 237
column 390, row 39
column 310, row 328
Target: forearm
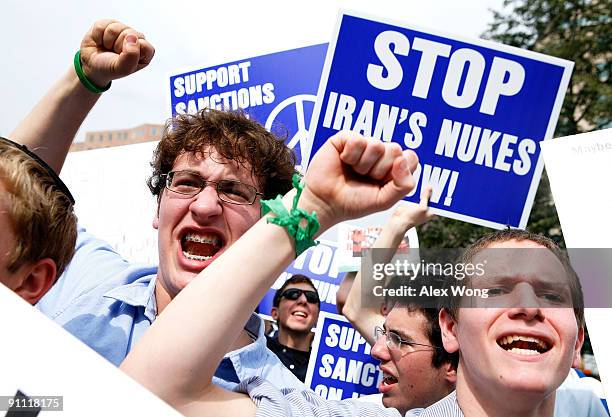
column 343, row 291
column 51, row 125
column 364, row 319
column 392, row 234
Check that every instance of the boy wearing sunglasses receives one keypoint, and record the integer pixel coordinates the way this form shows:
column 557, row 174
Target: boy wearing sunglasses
column 296, row 307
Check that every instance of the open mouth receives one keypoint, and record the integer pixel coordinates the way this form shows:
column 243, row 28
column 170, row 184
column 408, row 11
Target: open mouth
column 387, row 383
column 523, row 345
column 200, row 246
column 389, row 380
column 299, row 314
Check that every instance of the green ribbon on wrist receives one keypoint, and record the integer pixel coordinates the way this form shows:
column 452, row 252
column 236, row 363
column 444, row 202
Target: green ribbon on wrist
column 87, row 83
column 300, row 225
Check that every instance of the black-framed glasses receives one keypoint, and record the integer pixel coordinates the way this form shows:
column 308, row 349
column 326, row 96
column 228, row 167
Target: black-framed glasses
column 294, row 293
column 191, row 184
column 56, row 179
column 394, row 341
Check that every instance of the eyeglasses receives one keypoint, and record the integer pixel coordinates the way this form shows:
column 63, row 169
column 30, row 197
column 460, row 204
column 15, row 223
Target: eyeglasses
column 191, row 184
column 56, row 179
column 294, row 293
column 394, row 341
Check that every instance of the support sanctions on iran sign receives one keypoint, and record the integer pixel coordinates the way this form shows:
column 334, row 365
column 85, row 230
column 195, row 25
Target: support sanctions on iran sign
column 278, row 90
column 340, row 364
column 473, row 111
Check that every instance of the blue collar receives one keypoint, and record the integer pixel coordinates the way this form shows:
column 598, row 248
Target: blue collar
column 140, row 293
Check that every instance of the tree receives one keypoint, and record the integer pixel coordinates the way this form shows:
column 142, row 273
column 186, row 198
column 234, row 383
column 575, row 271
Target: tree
column 576, row 30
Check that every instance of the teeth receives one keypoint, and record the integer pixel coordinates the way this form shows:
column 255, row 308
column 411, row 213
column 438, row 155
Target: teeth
column 388, row 380
column 195, row 257
column 527, row 352
column 506, row 340
column 299, row 313
column 204, row 238
column 200, row 238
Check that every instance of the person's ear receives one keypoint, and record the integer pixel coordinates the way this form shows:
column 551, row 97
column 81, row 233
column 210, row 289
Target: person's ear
column 274, row 313
column 156, row 219
column 448, row 326
column 577, row 348
column 156, row 216
column 450, row 373
column 37, row 280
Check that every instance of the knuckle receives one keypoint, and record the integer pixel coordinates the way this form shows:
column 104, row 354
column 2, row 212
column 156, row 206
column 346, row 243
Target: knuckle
column 102, row 23
column 378, row 147
column 395, row 148
column 360, row 170
column 114, row 29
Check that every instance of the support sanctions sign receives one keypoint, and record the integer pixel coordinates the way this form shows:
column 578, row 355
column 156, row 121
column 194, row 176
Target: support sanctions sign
column 340, row 364
column 473, row 111
column 278, row 90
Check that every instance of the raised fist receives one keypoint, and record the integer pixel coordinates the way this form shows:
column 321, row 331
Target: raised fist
column 112, row 50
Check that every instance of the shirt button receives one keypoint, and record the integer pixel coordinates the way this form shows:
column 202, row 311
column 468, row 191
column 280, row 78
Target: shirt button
column 291, row 366
column 284, row 350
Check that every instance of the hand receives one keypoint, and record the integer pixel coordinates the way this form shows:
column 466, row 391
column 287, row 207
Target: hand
column 112, row 50
column 351, row 176
column 412, row 215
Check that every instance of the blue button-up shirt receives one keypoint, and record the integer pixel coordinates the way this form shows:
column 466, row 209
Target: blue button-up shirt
column 108, row 304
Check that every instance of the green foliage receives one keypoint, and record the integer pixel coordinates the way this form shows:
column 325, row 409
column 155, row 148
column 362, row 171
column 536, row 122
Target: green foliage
column 579, row 31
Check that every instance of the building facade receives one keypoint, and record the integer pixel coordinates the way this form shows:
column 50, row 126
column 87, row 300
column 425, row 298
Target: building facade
column 103, row 139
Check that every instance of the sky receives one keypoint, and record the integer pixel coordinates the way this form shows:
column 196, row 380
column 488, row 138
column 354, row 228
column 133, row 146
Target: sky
column 39, row 38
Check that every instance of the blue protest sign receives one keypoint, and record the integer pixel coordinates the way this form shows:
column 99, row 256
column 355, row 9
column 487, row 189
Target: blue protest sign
column 278, row 90
column 340, row 364
column 473, row 111
column 320, row 264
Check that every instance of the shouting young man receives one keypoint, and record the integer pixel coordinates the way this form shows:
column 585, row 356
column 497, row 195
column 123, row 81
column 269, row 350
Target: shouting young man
column 210, row 172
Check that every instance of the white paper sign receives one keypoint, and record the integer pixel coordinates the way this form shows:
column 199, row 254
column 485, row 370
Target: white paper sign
column 39, row 358
column 579, row 169
column 112, row 198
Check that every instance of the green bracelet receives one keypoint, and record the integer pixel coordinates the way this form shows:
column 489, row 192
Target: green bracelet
column 87, row 83
column 291, row 220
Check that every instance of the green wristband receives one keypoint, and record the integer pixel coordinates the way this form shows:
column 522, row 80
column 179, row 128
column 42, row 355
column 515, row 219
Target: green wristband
column 291, row 220
column 87, row 83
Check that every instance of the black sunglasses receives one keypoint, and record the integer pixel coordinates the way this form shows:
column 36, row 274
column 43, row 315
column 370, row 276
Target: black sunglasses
column 294, row 293
column 56, row 179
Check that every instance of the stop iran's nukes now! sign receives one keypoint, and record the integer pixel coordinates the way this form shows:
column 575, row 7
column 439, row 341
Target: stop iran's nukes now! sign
column 474, row 111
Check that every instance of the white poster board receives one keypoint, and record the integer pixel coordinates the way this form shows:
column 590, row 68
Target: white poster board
column 41, row 359
column 579, row 169
column 112, row 198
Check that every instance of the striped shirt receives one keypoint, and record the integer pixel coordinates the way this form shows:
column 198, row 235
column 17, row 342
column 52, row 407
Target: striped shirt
column 446, row 407
column 291, row 402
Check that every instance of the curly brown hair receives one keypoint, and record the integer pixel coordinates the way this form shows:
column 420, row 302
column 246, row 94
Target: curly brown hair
column 235, row 138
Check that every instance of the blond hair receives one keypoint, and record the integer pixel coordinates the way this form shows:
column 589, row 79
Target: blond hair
column 41, row 216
